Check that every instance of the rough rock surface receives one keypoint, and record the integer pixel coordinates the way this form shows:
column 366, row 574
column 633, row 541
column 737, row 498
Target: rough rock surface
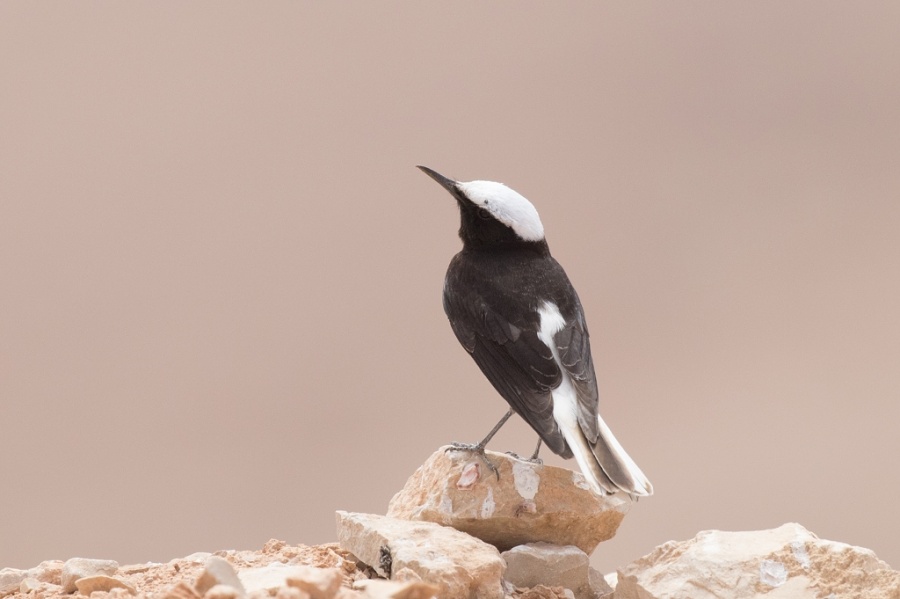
column 459, row 564
column 554, row 566
column 79, row 567
column 393, row 589
column 101, row 582
column 528, row 503
column 176, row 579
column 272, row 577
column 217, row 571
column 785, row 562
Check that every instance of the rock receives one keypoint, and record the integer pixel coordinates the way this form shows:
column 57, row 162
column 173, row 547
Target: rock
column 319, row 583
column 217, row 570
column 554, row 566
column 600, row 587
column 49, row 571
column 182, row 590
column 544, row 592
column 529, row 503
column 221, row 591
column 30, row 585
column 80, row 567
column 10, row 579
column 393, row 589
column 291, row 593
column 785, row 562
column 459, row 565
column 101, row 582
column 271, row 577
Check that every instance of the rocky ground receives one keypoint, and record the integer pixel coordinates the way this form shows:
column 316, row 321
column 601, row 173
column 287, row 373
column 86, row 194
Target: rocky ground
column 458, row 531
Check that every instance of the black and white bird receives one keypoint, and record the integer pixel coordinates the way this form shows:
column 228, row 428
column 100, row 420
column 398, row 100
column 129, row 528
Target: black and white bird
column 514, row 310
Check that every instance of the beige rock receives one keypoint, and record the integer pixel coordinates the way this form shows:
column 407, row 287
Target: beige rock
column 101, row 582
column 781, row 563
column 459, row 565
column 10, row 579
column 30, row 585
column 291, row 593
column 529, row 502
column 600, row 588
column 182, row 590
column 119, row 593
column 49, row 571
column 393, row 589
column 319, row 583
column 273, row 576
column 554, row 566
column 217, row 570
column 544, row 592
column 221, row 591
column 79, row 567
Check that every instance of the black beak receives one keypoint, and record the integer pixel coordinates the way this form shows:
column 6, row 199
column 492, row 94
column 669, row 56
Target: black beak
column 448, row 184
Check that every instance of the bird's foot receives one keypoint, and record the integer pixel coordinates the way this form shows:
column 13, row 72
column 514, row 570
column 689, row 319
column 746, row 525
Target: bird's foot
column 532, row 460
column 476, row 448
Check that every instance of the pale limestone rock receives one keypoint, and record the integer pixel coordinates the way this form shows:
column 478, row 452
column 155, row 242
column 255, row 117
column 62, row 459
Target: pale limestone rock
column 529, row 502
column 221, row 591
column 781, row 563
column 461, row 566
column 49, row 571
column 271, row 577
column 120, row 593
column 101, row 582
column 10, row 579
column 599, row 586
column 217, row 570
column 291, row 593
column 393, row 589
column 182, row 590
column 30, row 585
column 320, row 583
column 80, row 567
column 554, row 566
column 544, row 592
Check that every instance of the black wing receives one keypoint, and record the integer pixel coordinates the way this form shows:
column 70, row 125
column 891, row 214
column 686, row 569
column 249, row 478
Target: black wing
column 506, row 346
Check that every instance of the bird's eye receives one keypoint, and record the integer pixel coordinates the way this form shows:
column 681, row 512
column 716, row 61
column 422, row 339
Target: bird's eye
column 482, row 213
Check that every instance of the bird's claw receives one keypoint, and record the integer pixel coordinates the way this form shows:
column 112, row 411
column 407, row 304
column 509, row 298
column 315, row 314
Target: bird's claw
column 476, row 448
column 532, row 460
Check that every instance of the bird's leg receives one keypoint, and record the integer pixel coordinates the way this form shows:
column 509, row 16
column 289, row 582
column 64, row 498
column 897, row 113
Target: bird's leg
column 479, row 447
column 534, row 459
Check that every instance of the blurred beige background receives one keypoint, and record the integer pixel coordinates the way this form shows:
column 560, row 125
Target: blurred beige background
column 220, row 316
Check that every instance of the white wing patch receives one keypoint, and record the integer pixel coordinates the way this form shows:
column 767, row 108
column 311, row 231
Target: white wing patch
column 506, row 205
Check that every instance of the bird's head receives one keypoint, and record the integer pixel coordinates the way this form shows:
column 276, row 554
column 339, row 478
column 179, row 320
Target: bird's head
column 491, row 213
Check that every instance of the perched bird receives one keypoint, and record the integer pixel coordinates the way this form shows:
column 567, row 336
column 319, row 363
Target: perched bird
column 514, row 310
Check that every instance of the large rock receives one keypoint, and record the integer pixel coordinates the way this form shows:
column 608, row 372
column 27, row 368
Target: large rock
column 272, row 577
column 10, row 579
column 528, row 503
column 554, row 566
column 217, row 570
column 80, row 567
column 461, row 566
column 785, row 562
column 101, row 582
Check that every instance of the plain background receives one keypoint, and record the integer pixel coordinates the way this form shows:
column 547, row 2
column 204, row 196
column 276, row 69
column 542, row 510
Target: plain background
column 220, row 317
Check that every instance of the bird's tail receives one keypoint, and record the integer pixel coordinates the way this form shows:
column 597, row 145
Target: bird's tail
column 606, row 465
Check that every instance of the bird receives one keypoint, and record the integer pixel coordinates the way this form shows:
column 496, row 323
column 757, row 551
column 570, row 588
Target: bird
column 514, row 310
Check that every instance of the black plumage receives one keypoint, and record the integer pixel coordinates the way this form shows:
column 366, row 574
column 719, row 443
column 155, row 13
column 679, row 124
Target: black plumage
column 496, row 292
